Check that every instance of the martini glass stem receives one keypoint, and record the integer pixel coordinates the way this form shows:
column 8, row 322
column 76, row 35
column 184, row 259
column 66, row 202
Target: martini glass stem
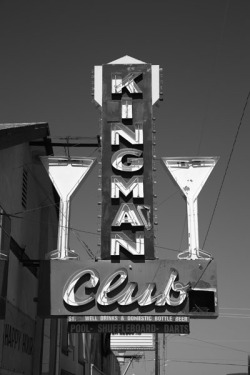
column 193, row 234
column 63, row 230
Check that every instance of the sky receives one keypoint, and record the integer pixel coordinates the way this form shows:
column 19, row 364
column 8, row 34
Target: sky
column 48, row 49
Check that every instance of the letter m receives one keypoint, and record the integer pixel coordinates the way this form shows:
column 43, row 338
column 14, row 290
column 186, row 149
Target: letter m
column 135, row 184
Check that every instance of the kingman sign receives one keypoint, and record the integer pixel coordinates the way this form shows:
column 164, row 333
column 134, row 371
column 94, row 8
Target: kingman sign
column 126, row 91
column 127, row 281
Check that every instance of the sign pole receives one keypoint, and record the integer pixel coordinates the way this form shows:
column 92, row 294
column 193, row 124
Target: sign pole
column 164, row 354
column 156, row 355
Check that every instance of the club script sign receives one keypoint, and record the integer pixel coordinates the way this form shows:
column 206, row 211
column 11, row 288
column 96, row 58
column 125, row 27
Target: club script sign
column 153, row 288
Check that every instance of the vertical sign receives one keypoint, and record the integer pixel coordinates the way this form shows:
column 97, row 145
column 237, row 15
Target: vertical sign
column 126, row 90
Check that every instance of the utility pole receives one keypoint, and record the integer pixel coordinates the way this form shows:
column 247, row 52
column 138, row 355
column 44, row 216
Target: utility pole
column 156, row 355
column 164, row 354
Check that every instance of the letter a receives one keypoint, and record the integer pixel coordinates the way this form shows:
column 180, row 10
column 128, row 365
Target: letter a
column 127, row 214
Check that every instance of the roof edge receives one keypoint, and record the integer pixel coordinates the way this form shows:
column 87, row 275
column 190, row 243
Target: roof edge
column 12, row 134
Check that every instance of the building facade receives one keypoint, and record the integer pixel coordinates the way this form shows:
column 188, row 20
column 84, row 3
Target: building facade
column 28, row 231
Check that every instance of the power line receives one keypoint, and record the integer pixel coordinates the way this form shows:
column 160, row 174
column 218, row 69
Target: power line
column 84, row 245
column 73, row 230
column 207, row 363
column 89, row 251
column 228, row 163
column 234, row 308
column 239, row 316
column 167, row 248
column 166, row 199
column 200, row 362
column 219, row 345
column 68, row 227
column 32, row 209
column 210, row 260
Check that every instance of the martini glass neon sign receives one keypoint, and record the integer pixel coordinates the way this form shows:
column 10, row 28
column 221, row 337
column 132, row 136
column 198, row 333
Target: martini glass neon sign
column 190, row 174
column 66, row 176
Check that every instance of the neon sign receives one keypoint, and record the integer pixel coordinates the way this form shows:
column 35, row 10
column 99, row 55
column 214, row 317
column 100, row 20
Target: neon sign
column 127, row 280
column 147, row 296
column 129, row 89
column 129, row 289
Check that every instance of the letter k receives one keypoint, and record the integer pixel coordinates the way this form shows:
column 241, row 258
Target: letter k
column 128, row 82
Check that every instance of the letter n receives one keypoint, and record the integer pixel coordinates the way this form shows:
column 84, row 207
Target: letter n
column 120, row 239
column 120, row 130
